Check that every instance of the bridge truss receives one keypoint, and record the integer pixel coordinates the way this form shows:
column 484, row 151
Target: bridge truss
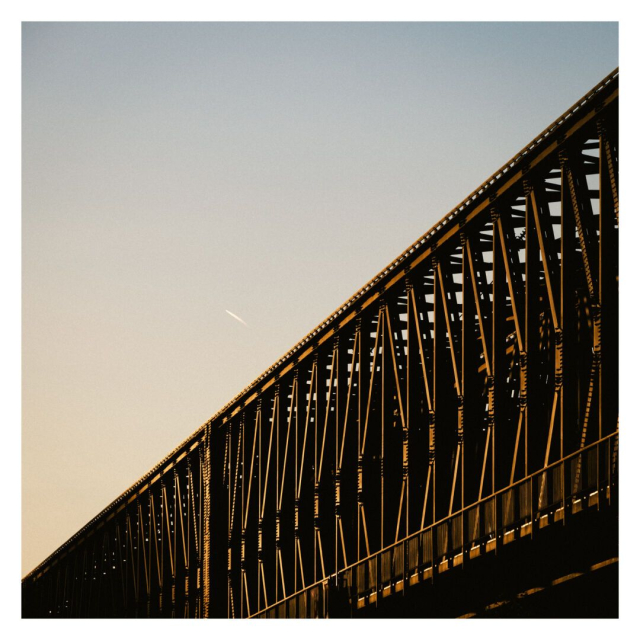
column 465, row 398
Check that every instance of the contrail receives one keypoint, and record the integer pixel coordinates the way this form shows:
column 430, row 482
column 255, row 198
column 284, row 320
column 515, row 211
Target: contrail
column 233, row 315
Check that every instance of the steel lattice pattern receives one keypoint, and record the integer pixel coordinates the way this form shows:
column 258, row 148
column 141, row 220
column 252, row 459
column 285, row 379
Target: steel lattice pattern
column 463, row 397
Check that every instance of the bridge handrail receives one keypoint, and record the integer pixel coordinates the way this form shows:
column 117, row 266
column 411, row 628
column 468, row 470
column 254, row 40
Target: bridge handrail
column 494, row 496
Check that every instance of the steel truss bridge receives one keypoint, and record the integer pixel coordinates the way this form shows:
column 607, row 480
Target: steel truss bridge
column 451, row 429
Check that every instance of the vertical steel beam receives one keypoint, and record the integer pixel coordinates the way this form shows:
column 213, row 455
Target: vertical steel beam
column 608, row 260
column 383, row 311
column 568, row 300
column 434, row 416
column 467, row 369
column 530, row 363
column 497, row 416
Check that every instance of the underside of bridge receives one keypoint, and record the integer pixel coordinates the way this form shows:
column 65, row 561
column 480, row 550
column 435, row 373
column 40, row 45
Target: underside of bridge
column 444, row 444
column 568, row 569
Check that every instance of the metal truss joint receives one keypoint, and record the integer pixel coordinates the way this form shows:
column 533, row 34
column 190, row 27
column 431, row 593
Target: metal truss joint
column 316, row 506
column 559, row 358
column 432, row 437
column 278, row 519
column 602, row 127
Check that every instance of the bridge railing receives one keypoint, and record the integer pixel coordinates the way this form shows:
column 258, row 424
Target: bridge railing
column 582, row 480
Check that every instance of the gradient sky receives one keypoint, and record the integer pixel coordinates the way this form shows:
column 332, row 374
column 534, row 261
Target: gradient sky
column 174, row 171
